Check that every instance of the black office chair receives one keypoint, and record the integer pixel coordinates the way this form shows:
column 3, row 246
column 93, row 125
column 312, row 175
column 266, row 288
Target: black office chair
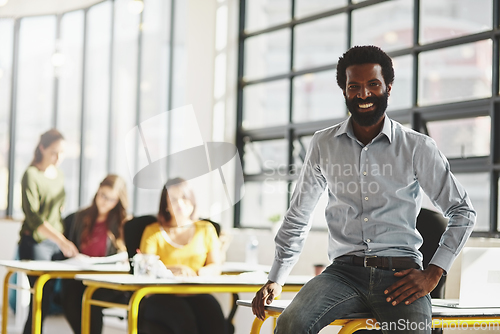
column 132, row 234
column 68, row 224
column 431, row 225
column 216, row 225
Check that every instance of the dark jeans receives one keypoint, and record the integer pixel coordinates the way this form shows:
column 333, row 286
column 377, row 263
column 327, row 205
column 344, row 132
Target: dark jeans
column 343, row 289
column 46, row 250
column 172, row 314
column 72, row 305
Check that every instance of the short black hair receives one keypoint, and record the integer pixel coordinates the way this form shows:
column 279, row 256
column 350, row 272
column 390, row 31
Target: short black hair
column 366, row 54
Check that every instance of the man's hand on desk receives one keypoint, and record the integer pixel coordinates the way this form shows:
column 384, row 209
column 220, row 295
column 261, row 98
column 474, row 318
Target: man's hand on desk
column 414, row 283
column 265, row 295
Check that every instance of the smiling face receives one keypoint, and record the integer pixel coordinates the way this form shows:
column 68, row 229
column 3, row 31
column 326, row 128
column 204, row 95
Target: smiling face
column 178, row 204
column 366, row 93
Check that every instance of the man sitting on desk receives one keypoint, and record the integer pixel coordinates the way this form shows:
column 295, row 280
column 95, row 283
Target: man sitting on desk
column 373, row 168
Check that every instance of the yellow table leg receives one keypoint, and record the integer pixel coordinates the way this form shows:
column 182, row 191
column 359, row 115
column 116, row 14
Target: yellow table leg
column 133, row 309
column 5, row 302
column 36, row 324
column 87, row 295
column 353, row 326
column 257, row 325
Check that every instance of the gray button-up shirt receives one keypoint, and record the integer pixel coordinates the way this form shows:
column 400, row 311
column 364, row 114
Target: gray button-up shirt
column 374, row 197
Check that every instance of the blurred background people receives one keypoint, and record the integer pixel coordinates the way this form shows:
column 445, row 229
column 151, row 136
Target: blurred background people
column 42, row 233
column 97, row 231
column 188, row 247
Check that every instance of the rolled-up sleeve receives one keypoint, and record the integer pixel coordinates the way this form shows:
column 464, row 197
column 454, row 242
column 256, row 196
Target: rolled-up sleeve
column 31, row 202
column 447, row 194
column 295, row 227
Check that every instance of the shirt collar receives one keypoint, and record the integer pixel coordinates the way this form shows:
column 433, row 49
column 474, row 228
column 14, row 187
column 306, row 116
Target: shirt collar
column 346, row 128
column 387, row 128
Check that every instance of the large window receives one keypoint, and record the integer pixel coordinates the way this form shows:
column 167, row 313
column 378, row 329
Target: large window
column 69, row 99
column 445, row 55
column 34, row 98
column 94, row 74
column 6, row 40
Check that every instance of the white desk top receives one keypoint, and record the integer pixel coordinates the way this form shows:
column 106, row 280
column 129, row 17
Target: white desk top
column 437, row 311
column 242, row 267
column 62, row 266
column 243, row 279
column 89, row 264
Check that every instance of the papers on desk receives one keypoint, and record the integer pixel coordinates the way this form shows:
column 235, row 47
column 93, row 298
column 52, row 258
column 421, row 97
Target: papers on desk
column 118, row 262
column 63, row 266
column 84, row 260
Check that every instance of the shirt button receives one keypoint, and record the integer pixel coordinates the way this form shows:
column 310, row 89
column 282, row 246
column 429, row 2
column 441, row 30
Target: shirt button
column 364, row 173
column 366, row 198
column 366, row 148
column 366, row 219
column 368, row 240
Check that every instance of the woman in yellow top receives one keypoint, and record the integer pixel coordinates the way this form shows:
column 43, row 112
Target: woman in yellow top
column 187, row 247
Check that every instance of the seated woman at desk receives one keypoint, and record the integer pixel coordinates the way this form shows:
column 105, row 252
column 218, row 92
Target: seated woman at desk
column 97, row 231
column 187, row 247
column 42, row 191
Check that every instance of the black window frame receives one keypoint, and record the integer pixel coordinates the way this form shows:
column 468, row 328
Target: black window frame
column 416, row 115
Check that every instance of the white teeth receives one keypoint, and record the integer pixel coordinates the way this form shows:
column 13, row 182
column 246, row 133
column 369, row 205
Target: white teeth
column 366, row 105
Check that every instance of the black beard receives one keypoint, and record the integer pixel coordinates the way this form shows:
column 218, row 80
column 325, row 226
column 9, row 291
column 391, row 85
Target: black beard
column 368, row 118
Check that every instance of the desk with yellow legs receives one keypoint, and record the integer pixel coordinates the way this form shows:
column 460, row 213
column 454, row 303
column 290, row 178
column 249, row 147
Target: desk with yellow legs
column 442, row 317
column 46, row 270
column 143, row 286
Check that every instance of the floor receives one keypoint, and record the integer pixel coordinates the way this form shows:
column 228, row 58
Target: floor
column 58, row 324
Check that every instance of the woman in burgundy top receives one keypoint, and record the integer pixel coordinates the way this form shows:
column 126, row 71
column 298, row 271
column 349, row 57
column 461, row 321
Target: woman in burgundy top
column 97, row 231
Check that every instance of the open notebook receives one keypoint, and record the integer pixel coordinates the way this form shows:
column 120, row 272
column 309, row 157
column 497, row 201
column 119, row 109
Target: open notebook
column 480, row 279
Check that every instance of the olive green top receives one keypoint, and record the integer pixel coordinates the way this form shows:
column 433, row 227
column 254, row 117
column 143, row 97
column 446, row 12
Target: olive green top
column 42, row 200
